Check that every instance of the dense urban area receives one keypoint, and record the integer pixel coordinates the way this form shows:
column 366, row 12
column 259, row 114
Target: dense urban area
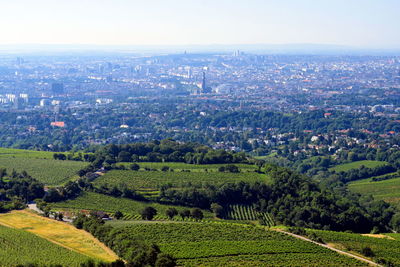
column 238, row 101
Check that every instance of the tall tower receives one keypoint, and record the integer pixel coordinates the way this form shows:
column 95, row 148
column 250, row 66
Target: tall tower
column 203, row 84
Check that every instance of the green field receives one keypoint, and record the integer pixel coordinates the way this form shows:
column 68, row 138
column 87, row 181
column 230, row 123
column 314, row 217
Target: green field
column 215, row 244
column 178, row 166
column 387, row 190
column 357, row 164
column 140, row 180
column 22, row 153
column 21, row 247
column 99, row 202
column 248, row 213
column 385, row 248
column 40, row 165
column 48, row 171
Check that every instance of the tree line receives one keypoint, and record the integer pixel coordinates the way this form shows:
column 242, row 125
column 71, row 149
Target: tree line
column 16, row 189
column 293, row 200
column 135, row 252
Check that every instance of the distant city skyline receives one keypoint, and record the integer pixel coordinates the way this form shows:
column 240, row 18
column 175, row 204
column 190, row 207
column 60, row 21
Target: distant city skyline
column 355, row 23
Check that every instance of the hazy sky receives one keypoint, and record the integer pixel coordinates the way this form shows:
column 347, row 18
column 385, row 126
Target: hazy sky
column 372, row 23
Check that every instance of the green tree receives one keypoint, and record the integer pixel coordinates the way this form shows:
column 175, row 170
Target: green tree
column 135, row 167
column 171, row 212
column 165, row 168
column 196, row 213
column 118, row 215
column 367, row 251
column 165, row 260
column 217, row 209
column 3, row 172
column 184, row 214
column 148, row 213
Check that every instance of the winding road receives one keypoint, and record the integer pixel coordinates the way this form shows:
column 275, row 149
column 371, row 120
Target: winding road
column 331, row 248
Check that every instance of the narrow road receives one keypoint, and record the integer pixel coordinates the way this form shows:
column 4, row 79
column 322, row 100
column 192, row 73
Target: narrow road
column 331, row 248
column 34, row 207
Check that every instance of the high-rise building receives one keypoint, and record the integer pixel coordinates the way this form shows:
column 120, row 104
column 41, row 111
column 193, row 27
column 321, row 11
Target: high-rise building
column 18, row 104
column 24, row 97
column 203, row 82
column 57, row 88
column 11, row 97
column 204, row 88
column 20, row 61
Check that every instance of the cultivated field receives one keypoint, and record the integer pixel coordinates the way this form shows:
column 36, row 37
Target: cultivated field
column 214, row 244
column 387, row 190
column 60, row 233
column 154, row 179
column 179, row 166
column 22, row 153
column 20, row 247
column 131, row 208
column 40, row 165
column 357, row 164
column 248, row 213
column 383, row 248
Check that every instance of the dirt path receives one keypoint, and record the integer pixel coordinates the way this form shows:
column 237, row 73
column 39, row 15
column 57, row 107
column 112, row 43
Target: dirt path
column 34, row 207
column 331, row 248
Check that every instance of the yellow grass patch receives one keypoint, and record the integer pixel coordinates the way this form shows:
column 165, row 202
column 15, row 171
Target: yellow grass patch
column 379, row 236
column 63, row 234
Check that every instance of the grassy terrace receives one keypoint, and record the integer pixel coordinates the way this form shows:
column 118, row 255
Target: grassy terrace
column 98, row 202
column 153, row 179
column 357, row 164
column 386, row 246
column 22, row 153
column 387, row 190
column 178, row 166
column 40, row 165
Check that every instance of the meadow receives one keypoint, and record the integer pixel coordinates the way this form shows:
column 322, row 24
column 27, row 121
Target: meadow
column 40, row 165
column 141, row 180
column 387, row 190
column 216, row 243
column 59, row 233
column 130, row 208
column 357, row 164
column 383, row 248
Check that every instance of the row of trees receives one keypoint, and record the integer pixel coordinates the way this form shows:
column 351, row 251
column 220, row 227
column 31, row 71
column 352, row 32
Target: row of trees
column 148, row 213
column 135, row 252
column 69, row 191
column 167, row 151
column 19, row 186
column 363, row 172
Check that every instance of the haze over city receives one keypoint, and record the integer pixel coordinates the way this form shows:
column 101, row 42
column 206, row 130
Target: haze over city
column 356, row 23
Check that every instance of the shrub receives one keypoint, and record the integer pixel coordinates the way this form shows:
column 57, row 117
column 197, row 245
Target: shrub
column 148, row 213
column 367, row 252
